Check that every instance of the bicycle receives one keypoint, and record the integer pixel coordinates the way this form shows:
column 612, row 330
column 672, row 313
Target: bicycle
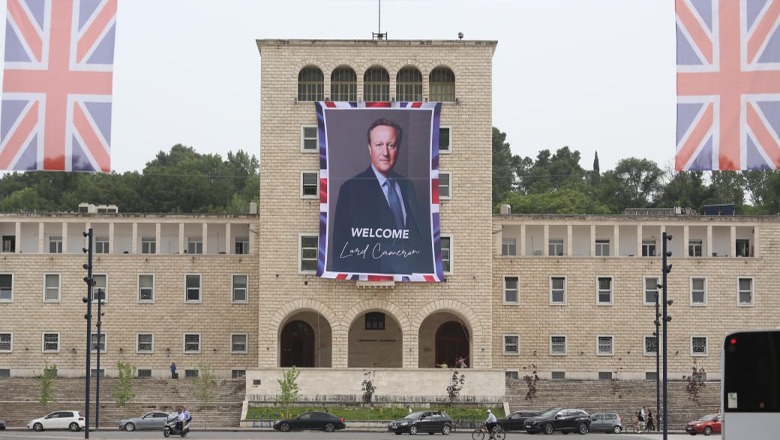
column 480, row 433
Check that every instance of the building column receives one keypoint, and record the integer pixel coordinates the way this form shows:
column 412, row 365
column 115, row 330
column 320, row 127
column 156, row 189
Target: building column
column 18, row 239
column 111, row 243
column 157, row 237
column 64, row 237
column 205, row 237
column 709, row 242
column 182, row 246
column 522, row 240
column 733, row 242
column 41, row 238
column 639, row 240
column 569, row 238
column 616, row 236
column 134, row 245
column 686, row 233
column 546, row 241
column 592, row 240
column 228, row 248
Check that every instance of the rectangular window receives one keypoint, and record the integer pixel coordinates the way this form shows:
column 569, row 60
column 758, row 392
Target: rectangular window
column 55, row 245
column 192, row 343
column 555, row 247
column 95, row 343
column 745, row 293
column 651, row 291
column 557, row 290
column 558, row 345
column 194, row 245
column 512, row 374
column 604, row 345
column 145, row 343
column 51, row 289
column 444, row 185
column 6, row 287
column 445, row 139
column 511, row 344
column 509, row 246
column 6, row 342
column 9, row 243
column 602, row 248
column 98, row 373
column 144, row 373
column 651, row 345
column 101, row 245
column 238, row 343
column 148, row 245
column 100, row 290
column 309, row 141
column 240, row 289
column 699, row 346
column 605, row 375
column 310, row 184
column 242, row 245
column 446, row 253
column 694, row 248
column 51, row 342
column 146, row 287
column 375, row 321
column 604, row 296
column 651, row 375
column 511, row 290
column 558, row 375
column 743, row 248
column 237, row 374
column 698, row 291
column 190, row 374
column 308, row 257
column 648, row 248
column 192, row 293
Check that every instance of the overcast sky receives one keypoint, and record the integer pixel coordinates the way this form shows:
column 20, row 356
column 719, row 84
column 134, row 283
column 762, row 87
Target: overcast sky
column 594, row 75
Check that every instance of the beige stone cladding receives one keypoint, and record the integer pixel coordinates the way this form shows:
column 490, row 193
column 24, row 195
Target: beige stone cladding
column 705, row 290
column 284, row 215
column 167, row 317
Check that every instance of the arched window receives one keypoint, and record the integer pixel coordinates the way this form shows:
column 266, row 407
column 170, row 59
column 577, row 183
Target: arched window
column 343, row 84
column 311, row 84
column 442, row 85
column 376, row 84
column 408, row 85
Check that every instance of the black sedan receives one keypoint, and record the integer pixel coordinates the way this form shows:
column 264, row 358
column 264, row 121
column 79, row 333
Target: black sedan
column 422, row 421
column 516, row 420
column 317, row 421
column 559, row 419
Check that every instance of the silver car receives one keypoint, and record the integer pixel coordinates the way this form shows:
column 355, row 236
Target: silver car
column 606, row 422
column 151, row 420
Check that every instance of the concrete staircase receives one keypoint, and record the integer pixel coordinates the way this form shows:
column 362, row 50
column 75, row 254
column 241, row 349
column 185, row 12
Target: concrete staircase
column 622, row 397
column 19, row 401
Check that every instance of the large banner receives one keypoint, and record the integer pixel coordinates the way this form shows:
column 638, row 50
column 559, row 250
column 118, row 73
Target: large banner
column 379, row 191
column 57, row 84
column 728, row 84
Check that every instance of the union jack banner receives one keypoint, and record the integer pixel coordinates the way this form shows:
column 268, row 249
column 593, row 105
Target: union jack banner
column 57, row 84
column 728, row 84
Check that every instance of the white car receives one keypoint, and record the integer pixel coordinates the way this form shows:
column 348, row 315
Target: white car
column 71, row 420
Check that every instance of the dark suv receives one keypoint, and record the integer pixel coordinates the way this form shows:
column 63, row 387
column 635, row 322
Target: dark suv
column 559, row 419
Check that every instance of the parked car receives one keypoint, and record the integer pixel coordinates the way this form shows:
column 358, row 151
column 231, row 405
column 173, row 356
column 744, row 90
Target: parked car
column 318, row 421
column 706, row 425
column 606, row 422
column 516, row 420
column 2, row 425
column 71, row 420
column 559, row 419
column 422, row 421
column 150, row 420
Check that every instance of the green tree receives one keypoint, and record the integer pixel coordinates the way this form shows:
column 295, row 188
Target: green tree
column 686, row 189
column 764, row 190
column 634, row 183
column 46, row 383
column 288, row 385
column 502, row 167
column 205, row 384
column 123, row 389
column 564, row 201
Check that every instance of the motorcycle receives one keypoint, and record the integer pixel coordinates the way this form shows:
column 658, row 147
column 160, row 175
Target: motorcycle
column 170, row 427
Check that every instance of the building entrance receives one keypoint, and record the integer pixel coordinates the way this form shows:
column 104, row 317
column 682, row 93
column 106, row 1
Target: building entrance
column 297, row 345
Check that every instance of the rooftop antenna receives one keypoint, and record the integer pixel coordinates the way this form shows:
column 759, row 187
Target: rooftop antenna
column 379, row 35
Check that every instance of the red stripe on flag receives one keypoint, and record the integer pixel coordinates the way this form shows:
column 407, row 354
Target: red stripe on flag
column 378, row 104
column 92, row 142
column 29, row 29
column 330, row 104
column 323, row 190
column 96, row 29
column 435, row 190
column 762, row 31
column 19, row 136
column 763, row 135
column 380, row 278
column 695, row 139
column 695, row 29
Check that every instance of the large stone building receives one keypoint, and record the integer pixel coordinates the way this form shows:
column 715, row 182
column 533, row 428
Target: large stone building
column 571, row 295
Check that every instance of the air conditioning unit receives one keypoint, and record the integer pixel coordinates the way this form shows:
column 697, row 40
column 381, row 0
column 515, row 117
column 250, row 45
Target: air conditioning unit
column 107, row 209
column 87, row 208
column 506, row 209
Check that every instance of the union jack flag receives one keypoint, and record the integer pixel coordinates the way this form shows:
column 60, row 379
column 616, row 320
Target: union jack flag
column 56, row 105
column 728, row 84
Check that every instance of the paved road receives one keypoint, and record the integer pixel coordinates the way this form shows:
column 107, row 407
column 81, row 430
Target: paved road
column 248, row 434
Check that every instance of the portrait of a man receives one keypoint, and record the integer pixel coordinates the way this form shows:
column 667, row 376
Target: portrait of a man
column 380, row 226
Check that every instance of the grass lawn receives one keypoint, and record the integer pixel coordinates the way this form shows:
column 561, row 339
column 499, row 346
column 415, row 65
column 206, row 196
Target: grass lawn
column 456, row 412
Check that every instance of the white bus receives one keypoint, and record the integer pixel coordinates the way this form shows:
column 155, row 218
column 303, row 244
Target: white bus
column 750, row 387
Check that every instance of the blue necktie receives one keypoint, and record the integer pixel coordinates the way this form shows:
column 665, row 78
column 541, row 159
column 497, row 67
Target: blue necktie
column 395, row 204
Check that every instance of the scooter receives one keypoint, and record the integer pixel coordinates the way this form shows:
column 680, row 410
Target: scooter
column 170, row 427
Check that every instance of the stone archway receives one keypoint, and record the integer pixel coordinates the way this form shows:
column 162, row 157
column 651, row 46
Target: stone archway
column 452, row 342
column 306, row 340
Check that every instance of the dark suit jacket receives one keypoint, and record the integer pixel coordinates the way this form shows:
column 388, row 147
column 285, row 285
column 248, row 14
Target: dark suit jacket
column 362, row 204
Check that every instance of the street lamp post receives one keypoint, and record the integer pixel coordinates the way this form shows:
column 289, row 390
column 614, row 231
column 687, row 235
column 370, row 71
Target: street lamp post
column 88, row 300
column 99, row 346
column 665, row 319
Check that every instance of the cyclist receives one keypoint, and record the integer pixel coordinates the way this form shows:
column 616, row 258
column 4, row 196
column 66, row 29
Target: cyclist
column 490, row 423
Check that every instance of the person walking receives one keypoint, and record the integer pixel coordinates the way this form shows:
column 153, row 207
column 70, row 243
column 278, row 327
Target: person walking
column 650, row 421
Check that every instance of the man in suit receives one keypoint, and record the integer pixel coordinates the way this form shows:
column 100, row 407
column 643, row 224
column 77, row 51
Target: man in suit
column 378, row 226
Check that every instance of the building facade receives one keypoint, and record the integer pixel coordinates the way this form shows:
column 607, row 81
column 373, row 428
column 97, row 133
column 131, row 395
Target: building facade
column 570, row 296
